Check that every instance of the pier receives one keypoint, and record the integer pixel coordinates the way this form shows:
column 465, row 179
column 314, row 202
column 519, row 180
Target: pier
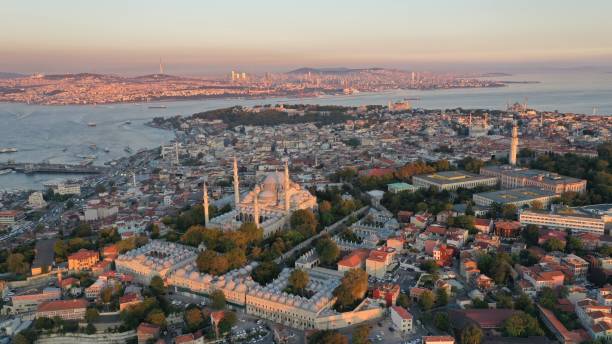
column 33, row 168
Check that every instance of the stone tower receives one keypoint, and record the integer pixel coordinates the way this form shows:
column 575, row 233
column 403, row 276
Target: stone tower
column 513, row 146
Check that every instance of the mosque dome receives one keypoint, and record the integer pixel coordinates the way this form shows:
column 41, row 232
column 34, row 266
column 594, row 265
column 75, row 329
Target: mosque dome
column 267, row 196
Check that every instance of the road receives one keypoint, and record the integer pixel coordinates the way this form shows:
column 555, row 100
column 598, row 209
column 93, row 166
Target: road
column 331, row 230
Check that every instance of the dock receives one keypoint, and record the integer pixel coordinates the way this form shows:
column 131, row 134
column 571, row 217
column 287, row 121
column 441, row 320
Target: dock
column 33, row 168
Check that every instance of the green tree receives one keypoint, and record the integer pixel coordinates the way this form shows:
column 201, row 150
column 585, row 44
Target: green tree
column 554, row 244
column 471, row 334
column 441, row 297
column 361, row 334
column 157, row 285
column 531, row 235
column 21, row 339
column 217, row 299
column 157, row 317
column 403, row 300
column 327, row 337
column 106, row 295
column 524, row 303
column 427, row 300
column 298, row 280
column 193, row 318
column 265, row 272
column 429, row 266
column 352, row 288
column 441, row 321
column 91, row 315
column 304, row 221
column 327, row 250
column 521, row 325
column 16, row 263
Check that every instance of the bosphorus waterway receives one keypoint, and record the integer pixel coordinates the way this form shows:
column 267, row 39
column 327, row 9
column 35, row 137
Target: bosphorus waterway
column 64, row 134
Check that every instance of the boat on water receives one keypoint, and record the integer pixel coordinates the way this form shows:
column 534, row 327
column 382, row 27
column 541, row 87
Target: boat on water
column 127, row 122
column 65, row 149
column 158, row 107
column 8, row 150
column 91, row 124
column 86, row 162
column 93, row 146
column 412, row 98
column 87, row 157
column 127, row 149
column 5, row 171
column 106, row 149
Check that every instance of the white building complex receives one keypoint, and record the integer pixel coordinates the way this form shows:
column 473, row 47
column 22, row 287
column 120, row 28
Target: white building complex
column 176, row 264
column 595, row 219
column 452, row 180
column 157, row 258
column 269, row 205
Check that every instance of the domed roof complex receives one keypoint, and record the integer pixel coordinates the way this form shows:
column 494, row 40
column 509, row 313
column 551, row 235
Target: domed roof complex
column 269, row 204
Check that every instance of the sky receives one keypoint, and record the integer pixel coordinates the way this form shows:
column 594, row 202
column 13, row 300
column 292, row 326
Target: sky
column 202, row 37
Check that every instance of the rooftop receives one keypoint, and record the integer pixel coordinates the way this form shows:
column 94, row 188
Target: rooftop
column 451, row 177
column 516, row 195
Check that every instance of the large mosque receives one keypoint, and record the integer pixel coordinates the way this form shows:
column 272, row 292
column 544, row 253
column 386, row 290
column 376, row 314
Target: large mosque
column 269, row 205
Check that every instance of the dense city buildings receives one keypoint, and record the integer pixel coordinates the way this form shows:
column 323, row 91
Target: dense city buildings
column 402, row 203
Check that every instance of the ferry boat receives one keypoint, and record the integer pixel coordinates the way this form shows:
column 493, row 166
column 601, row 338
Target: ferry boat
column 91, row 124
column 8, row 150
column 158, row 107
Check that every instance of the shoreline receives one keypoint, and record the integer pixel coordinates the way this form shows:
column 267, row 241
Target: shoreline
column 310, row 96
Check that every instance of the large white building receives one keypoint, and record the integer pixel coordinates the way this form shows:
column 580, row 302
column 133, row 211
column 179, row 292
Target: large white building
column 452, row 180
column 157, row 258
column 576, row 219
column 269, row 205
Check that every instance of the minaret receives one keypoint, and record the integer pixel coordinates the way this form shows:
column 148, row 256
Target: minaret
column 236, row 185
column 286, row 188
column 513, row 145
column 256, row 207
column 205, row 204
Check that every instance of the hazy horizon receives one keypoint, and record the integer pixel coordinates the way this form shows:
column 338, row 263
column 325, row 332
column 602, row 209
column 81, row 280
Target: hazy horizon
column 213, row 37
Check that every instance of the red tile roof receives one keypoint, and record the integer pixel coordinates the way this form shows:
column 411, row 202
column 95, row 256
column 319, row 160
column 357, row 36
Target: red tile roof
column 59, row 305
column 355, row 258
column 402, row 312
column 146, row 328
column 83, row 254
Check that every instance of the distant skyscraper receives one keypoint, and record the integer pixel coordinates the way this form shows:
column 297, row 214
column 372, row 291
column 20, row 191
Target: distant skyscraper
column 161, row 66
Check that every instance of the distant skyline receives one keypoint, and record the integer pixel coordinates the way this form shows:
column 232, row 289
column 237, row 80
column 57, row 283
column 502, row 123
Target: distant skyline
column 213, row 37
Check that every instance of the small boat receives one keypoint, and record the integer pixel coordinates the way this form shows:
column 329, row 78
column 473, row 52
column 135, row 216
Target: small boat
column 5, row 171
column 91, row 124
column 65, row 149
column 93, row 146
column 127, row 122
column 106, row 149
column 158, row 107
column 127, row 149
column 412, row 98
column 8, row 150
